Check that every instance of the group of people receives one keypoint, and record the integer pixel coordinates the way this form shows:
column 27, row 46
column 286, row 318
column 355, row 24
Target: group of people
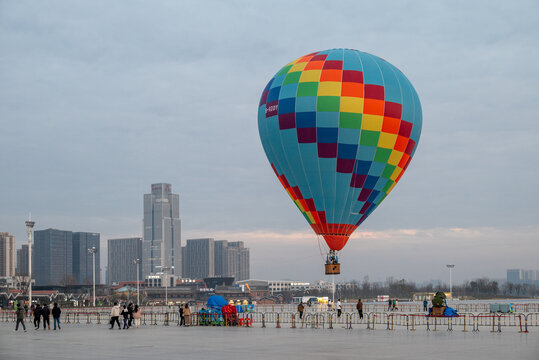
column 392, row 305
column 130, row 313
column 39, row 312
column 185, row 314
column 359, row 307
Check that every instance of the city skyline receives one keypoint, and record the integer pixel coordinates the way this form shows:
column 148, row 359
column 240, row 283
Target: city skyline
column 104, row 121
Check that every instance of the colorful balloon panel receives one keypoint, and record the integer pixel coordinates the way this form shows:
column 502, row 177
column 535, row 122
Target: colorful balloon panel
column 339, row 128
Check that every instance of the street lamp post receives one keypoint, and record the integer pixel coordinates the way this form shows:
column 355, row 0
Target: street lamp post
column 165, row 269
column 29, row 226
column 92, row 251
column 450, row 267
column 137, row 263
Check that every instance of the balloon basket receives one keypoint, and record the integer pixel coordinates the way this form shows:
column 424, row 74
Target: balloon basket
column 333, row 269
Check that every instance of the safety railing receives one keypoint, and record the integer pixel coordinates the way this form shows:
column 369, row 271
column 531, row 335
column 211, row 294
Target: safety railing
column 466, row 322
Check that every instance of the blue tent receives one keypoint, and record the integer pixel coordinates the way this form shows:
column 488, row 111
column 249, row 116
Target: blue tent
column 216, row 302
column 449, row 311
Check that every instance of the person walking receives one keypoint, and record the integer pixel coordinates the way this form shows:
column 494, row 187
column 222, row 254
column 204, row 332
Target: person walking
column 395, row 305
column 125, row 314
column 389, row 304
column 114, row 316
column 130, row 311
column 359, row 307
column 187, row 315
column 56, row 311
column 339, row 308
column 45, row 313
column 301, row 308
column 137, row 314
column 182, row 317
column 37, row 316
column 20, row 317
column 425, row 304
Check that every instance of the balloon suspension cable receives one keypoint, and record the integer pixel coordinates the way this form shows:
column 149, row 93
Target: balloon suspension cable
column 320, row 247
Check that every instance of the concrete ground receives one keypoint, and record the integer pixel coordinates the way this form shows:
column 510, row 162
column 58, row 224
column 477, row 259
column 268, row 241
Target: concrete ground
column 160, row 342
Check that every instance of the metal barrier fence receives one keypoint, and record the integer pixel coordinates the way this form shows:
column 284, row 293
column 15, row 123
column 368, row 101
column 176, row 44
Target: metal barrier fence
column 493, row 322
column 405, row 307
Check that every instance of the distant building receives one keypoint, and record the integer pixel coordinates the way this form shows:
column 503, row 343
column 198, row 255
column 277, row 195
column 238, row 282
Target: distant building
column 522, row 276
column 529, row 276
column 232, row 256
column 22, row 261
column 161, row 244
column 122, row 254
column 7, row 254
column 160, row 280
column 514, row 276
column 227, row 259
column 239, row 262
column 52, row 257
column 199, row 258
column 221, row 259
column 82, row 258
column 277, row 286
column 257, row 288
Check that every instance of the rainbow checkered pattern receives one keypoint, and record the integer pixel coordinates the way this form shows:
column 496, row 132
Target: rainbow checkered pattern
column 339, row 128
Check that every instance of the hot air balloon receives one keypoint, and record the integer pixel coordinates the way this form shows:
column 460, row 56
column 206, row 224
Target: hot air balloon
column 339, row 128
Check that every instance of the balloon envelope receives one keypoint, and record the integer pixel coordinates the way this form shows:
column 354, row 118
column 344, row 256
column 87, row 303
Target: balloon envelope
column 339, row 128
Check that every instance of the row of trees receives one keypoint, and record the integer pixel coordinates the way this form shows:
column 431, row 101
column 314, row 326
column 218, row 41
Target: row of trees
column 480, row 288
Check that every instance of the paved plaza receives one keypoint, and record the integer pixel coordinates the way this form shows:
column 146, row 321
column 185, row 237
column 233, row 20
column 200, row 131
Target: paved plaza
column 172, row 342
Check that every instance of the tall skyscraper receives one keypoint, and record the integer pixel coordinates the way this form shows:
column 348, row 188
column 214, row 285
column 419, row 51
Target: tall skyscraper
column 161, row 244
column 22, row 261
column 82, row 259
column 199, row 258
column 52, row 257
column 122, row 254
column 7, row 254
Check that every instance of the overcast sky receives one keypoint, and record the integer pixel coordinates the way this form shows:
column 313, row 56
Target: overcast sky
column 100, row 99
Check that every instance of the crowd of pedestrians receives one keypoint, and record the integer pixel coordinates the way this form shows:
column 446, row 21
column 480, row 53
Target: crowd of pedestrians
column 130, row 314
column 41, row 314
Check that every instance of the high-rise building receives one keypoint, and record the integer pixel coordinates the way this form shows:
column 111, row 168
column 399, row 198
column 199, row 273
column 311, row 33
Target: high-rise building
column 221, row 258
column 514, row 276
column 161, row 244
column 7, row 254
column 231, row 259
column 52, row 257
column 121, row 260
column 529, row 276
column 522, row 276
column 240, row 262
column 82, row 258
column 22, row 261
column 199, row 258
